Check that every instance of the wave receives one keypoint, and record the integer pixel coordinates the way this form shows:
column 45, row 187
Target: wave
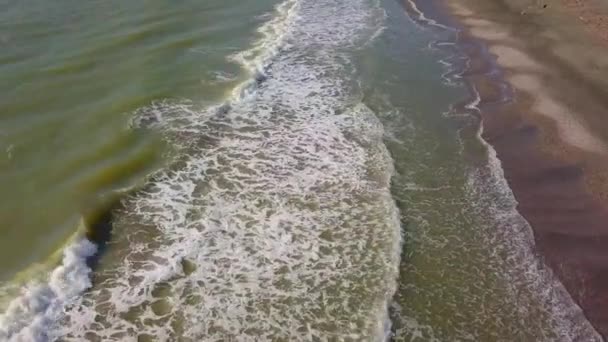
column 28, row 317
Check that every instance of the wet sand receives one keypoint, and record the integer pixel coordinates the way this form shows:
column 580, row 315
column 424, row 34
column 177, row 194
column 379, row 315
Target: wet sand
column 542, row 76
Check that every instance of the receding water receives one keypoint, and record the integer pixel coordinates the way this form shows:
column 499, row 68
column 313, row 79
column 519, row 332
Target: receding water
column 287, row 171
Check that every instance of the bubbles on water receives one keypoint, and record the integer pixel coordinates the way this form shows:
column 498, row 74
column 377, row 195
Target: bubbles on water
column 276, row 221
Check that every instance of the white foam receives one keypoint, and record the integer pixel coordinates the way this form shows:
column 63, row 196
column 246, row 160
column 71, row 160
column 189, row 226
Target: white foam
column 278, row 223
column 40, row 305
column 427, row 21
column 222, row 77
column 378, row 25
column 255, row 60
column 411, row 328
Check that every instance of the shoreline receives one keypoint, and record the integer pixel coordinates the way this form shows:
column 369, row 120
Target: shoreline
column 554, row 158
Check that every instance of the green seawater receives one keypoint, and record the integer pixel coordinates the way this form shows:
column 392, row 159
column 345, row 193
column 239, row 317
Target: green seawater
column 73, row 73
column 289, row 170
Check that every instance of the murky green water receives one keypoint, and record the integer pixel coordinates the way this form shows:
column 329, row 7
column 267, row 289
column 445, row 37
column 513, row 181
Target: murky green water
column 73, row 74
column 300, row 174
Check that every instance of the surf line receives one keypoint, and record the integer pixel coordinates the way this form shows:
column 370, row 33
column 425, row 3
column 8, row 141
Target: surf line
column 565, row 308
column 30, row 316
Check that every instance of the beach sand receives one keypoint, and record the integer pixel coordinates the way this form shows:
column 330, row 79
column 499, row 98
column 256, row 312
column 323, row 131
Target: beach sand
column 552, row 134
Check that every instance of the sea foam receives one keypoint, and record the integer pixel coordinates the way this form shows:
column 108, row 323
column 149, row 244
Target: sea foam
column 40, row 305
column 276, row 220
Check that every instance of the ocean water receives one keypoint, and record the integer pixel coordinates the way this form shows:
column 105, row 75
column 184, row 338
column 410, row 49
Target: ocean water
column 285, row 170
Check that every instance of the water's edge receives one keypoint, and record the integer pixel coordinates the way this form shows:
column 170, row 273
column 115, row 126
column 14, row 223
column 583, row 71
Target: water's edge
column 480, row 64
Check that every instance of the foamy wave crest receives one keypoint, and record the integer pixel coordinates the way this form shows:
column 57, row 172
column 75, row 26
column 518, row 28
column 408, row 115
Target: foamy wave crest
column 273, row 33
column 277, row 222
column 30, row 316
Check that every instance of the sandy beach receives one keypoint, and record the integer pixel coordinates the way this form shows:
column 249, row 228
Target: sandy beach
column 549, row 127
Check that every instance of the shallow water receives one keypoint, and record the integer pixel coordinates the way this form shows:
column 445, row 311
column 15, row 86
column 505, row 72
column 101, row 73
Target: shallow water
column 307, row 179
